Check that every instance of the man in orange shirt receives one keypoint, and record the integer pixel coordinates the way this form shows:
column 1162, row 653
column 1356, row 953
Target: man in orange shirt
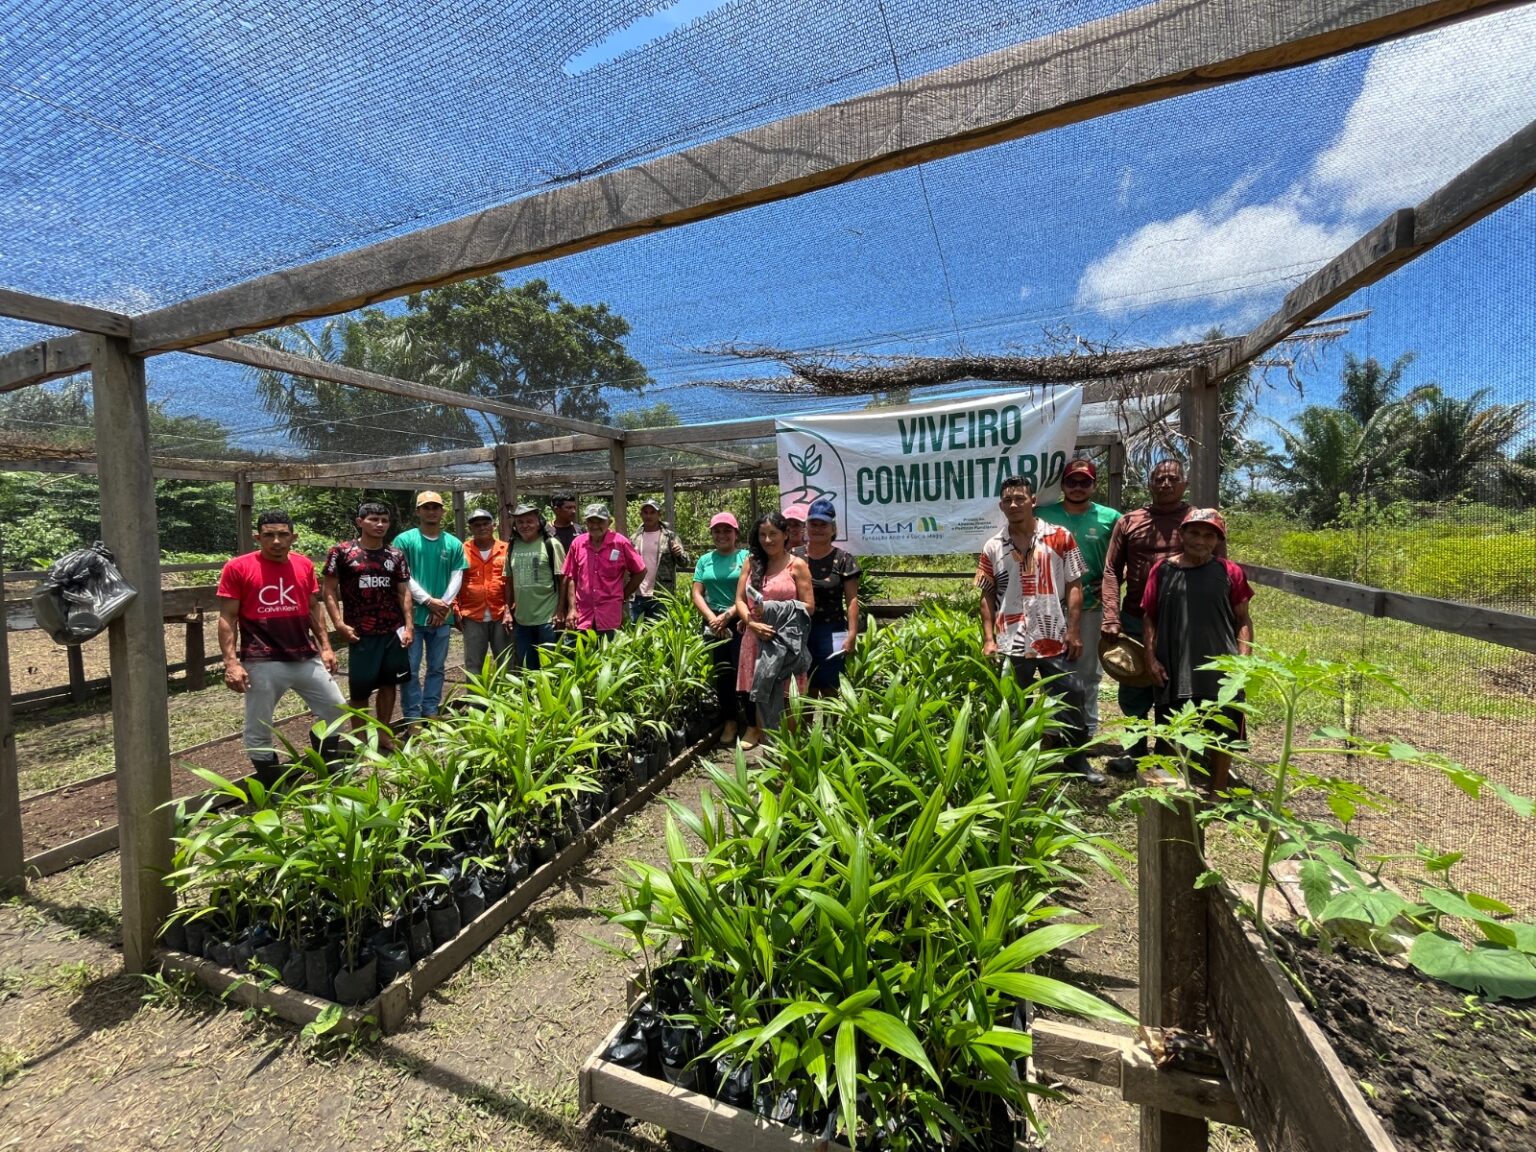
column 482, row 600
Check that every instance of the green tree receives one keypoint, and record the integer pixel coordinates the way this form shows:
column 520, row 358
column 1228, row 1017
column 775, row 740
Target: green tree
column 1460, row 446
column 1329, row 453
column 1366, row 387
column 526, row 345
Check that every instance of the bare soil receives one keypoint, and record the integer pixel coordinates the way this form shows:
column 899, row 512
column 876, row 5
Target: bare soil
column 1440, row 1073
column 37, row 662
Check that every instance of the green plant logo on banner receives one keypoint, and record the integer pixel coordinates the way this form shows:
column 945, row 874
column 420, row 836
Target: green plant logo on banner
column 924, row 478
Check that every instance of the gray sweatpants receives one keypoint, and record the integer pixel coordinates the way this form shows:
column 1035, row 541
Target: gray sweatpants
column 483, row 635
column 1086, row 671
column 269, row 680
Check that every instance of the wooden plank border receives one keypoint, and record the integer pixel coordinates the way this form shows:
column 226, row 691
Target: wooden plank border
column 1291, row 1085
column 1491, row 625
column 389, row 1010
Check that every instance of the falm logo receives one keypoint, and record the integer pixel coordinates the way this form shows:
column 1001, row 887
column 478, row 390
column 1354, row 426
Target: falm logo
column 922, row 524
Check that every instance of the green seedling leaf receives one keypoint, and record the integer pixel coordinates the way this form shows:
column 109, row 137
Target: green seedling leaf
column 1056, row 994
column 1374, row 906
column 1033, row 945
column 1523, row 805
column 1316, row 886
column 1495, row 972
column 1208, row 879
column 889, row 1032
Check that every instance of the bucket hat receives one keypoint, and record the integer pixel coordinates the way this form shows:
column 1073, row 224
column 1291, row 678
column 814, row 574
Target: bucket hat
column 1125, row 659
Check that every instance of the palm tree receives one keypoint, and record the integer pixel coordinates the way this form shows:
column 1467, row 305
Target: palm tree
column 1330, row 453
column 1461, row 445
column 1366, row 387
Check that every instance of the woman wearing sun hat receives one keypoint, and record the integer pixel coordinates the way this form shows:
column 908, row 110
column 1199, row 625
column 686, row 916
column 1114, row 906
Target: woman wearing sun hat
column 715, row 577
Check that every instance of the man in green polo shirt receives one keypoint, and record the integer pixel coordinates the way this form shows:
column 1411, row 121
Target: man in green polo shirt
column 437, row 564
column 1090, row 525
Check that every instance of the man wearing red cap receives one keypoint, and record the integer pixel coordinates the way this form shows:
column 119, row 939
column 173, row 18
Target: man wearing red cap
column 1141, row 540
column 1195, row 607
column 1091, row 526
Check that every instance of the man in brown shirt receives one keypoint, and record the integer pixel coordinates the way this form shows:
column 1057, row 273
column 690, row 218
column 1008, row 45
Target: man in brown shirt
column 1140, row 541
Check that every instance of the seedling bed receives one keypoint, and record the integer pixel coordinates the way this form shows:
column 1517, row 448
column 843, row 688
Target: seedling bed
column 682, row 1112
column 395, row 1003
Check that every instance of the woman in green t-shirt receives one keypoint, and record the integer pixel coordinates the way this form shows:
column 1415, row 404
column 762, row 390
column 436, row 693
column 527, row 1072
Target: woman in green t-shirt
column 715, row 577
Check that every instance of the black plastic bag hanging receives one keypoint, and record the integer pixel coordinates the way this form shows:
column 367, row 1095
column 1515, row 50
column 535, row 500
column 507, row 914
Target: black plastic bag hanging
column 82, row 593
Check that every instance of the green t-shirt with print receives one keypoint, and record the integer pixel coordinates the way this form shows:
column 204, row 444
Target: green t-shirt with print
column 432, row 563
column 719, row 574
column 532, row 579
column 1091, row 530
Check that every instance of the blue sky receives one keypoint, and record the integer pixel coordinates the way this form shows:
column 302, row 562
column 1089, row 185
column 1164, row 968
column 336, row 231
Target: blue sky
column 1145, row 227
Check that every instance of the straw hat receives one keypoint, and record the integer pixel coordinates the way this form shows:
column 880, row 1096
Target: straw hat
column 1125, row 659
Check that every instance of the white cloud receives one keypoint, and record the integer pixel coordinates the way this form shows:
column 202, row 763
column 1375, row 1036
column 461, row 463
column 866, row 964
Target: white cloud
column 1430, row 105
column 1123, row 187
column 1208, row 254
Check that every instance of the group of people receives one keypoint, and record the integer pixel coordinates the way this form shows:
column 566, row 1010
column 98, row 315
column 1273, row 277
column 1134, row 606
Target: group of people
column 1063, row 587
column 1074, row 587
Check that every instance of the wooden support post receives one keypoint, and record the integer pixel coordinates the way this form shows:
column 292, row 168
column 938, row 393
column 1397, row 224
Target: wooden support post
column 506, row 488
column 1116, row 494
column 668, row 498
column 1172, row 948
column 197, row 653
column 245, row 514
column 460, row 528
column 752, row 502
column 140, row 728
column 76, row 660
column 13, row 878
column 616, row 464
column 1200, row 423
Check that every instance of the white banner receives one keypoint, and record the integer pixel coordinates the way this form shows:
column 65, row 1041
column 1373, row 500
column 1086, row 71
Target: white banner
column 924, row 478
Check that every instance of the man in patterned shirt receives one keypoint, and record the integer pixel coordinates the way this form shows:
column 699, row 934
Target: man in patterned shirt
column 1031, row 580
column 374, row 616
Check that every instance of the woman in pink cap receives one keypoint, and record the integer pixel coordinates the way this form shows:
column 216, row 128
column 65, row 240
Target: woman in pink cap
column 715, row 577
column 796, row 515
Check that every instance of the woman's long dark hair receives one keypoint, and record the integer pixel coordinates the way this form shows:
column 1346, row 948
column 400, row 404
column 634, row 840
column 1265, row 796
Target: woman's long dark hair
column 759, row 568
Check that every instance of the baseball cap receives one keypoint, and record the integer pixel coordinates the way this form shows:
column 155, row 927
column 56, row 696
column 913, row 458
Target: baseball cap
column 1082, row 465
column 596, row 512
column 1205, row 516
column 725, row 518
column 795, row 512
column 821, row 510
column 650, row 504
column 478, row 514
column 428, row 498
column 526, row 509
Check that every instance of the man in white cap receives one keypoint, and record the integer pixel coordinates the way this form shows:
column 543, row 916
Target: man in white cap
column 481, row 605
column 437, row 566
column 662, row 552
column 602, row 570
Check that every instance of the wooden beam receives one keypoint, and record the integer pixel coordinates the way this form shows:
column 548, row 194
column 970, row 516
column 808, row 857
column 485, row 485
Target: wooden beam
column 13, row 878
column 245, row 515
column 374, row 469
column 136, row 641
column 559, row 446
column 259, row 356
column 669, row 496
column 1490, row 625
column 1117, row 474
column 62, row 314
column 1200, row 425
column 1171, row 943
column 212, row 471
column 46, row 360
column 1294, row 1092
column 460, row 528
column 506, row 489
column 1492, row 181
column 684, row 435
column 619, row 466
column 1127, row 60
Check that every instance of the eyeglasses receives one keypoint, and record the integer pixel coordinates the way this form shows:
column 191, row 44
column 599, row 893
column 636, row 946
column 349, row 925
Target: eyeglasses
column 1077, row 482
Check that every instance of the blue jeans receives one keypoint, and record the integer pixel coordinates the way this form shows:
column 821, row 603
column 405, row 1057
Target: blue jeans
column 645, row 608
column 418, row 699
column 526, row 641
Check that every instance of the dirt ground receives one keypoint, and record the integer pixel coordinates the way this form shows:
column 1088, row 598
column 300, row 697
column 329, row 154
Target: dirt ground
column 93, row 1059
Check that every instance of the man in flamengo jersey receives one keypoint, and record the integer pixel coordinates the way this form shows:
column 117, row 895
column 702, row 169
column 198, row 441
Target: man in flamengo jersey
column 270, row 599
column 374, row 616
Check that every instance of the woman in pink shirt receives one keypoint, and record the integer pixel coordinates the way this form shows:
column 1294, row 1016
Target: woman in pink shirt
column 774, row 574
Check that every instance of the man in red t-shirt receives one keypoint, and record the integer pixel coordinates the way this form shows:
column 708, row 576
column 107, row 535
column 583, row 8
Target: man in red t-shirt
column 270, row 600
